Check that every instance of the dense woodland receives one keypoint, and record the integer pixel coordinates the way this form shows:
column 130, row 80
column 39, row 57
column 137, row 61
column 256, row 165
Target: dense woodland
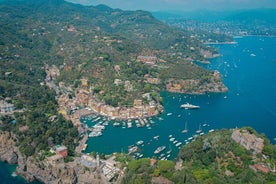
column 38, row 127
column 87, row 42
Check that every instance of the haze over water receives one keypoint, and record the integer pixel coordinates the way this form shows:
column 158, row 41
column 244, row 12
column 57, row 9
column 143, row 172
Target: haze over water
column 248, row 70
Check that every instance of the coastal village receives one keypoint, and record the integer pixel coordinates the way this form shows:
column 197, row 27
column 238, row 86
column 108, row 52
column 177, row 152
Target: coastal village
column 85, row 98
column 83, row 104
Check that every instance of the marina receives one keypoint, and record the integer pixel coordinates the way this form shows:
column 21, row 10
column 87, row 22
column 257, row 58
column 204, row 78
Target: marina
column 139, row 148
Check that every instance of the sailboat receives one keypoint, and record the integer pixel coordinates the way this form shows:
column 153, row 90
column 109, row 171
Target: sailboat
column 199, row 130
column 186, row 128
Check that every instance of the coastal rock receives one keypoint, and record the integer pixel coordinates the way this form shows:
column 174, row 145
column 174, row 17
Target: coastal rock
column 22, row 168
column 12, row 158
column 31, row 169
column 198, row 86
column 8, row 151
column 87, row 176
column 65, row 175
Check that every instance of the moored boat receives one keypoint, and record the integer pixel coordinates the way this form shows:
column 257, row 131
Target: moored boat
column 172, row 139
column 140, row 142
column 189, row 106
column 156, row 137
column 199, row 129
column 186, row 129
column 95, row 134
column 159, row 149
column 178, row 144
column 132, row 149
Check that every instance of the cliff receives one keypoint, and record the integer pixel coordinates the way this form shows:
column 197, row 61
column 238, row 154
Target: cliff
column 31, row 169
column 8, row 149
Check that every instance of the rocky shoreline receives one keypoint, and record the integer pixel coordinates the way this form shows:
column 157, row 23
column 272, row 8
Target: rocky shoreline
column 8, row 151
column 30, row 168
column 196, row 86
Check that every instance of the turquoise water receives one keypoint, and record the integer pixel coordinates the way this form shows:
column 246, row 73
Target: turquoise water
column 249, row 70
column 6, row 176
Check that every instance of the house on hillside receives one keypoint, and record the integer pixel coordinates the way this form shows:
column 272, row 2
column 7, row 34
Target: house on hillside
column 6, row 107
column 61, row 150
column 147, row 59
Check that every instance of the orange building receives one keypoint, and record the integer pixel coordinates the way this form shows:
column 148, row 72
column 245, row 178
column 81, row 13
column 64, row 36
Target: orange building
column 62, row 150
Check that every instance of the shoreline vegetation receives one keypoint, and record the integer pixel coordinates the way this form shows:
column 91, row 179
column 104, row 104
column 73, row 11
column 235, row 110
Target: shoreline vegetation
column 232, row 153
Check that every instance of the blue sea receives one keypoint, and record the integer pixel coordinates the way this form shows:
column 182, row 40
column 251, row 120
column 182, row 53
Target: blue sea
column 248, row 69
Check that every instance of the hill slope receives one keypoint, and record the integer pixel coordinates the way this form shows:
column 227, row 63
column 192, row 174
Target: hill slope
column 90, row 42
column 216, row 157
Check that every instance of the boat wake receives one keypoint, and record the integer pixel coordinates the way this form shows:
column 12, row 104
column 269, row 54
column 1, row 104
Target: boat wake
column 13, row 174
column 267, row 109
column 270, row 111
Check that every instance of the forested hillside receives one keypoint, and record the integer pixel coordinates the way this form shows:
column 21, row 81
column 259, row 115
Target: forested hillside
column 98, row 44
column 212, row 158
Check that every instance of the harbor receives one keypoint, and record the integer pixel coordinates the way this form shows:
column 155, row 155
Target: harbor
column 216, row 110
column 150, row 143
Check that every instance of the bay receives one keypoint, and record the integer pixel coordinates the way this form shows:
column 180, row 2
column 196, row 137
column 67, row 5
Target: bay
column 248, row 69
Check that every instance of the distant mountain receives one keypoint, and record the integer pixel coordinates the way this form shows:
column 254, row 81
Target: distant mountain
column 255, row 21
column 250, row 16
column 199, row 15
column 213, row 16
